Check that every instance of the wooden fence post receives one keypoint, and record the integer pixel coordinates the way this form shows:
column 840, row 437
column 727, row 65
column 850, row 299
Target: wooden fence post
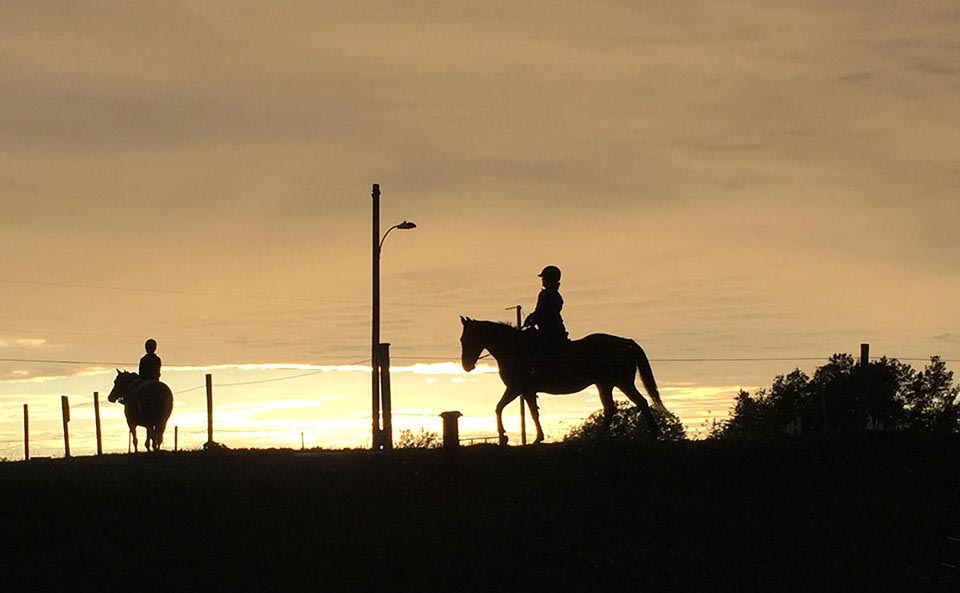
column 176, row 437
column 65, row 409
column 96, row 420
column 866, row 418
column 26, row 433
column 209, row 409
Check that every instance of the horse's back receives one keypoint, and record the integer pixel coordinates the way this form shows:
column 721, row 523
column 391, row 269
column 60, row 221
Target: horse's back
column 156, row 404
column 164, row 398
column 601, row 345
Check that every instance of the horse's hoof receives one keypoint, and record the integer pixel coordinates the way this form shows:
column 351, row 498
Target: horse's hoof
column 503, row 440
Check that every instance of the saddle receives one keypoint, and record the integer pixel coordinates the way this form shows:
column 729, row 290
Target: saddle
column 137, row 393
column 545, row 353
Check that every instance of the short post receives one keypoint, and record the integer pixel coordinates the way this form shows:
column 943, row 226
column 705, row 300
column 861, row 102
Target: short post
column 451, row 431
column 383, row 359
column 65, row 409
column 523, row 411
column 209, row 409
column 26, row 433
column 867, row 419
column 176, row 437
column 303, row 444
column 96, row 421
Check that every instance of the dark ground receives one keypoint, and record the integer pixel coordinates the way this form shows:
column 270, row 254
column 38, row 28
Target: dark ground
column 864, row 512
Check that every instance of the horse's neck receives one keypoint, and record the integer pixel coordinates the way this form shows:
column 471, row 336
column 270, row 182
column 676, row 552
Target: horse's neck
column 132, row 385
column 504, row 340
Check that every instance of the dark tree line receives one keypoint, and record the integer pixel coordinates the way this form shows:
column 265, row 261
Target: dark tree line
column 844, row 395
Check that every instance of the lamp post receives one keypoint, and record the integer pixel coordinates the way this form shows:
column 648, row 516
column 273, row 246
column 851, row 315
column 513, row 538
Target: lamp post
column 377, row 245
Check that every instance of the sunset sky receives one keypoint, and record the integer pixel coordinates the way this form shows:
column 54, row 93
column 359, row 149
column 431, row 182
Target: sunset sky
column 747, row 180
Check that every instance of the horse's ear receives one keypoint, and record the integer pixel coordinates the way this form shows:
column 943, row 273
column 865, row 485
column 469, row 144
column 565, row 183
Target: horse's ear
column 118, row 371
column 463, row 320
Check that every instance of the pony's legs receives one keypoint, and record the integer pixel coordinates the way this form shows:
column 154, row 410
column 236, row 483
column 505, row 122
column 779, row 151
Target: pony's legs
column 161, row 428
column 531, row 399
column 609, row 406
column 133, row 435
column 508, row 396
column 631, row 391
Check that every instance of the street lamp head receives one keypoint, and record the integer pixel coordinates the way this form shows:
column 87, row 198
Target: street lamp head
column 406, row 225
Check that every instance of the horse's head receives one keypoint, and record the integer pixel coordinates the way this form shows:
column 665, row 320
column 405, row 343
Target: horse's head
column 120, row 385
column 471, row 343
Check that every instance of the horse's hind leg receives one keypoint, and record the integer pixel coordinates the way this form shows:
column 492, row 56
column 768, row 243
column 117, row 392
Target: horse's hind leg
column 531, row 399
column 631, row 391
column 609, row 406
column 508, row 396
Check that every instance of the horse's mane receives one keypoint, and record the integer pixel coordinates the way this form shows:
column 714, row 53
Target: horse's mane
column 500, row 324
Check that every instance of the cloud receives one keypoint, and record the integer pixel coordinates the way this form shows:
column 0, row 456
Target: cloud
column 947, row 338
column 707, row 176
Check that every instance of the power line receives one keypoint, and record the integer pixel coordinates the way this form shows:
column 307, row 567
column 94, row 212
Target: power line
column 307, row 374
column 83, row 362
column 179, row 292
column 731, row 359
column 456, row 358
column 214, row 294
column 102, row 363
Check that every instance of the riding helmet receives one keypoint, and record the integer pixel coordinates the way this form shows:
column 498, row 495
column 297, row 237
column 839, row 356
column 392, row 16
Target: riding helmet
column 550, row 274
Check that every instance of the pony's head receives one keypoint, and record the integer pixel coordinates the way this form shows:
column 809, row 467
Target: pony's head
column 120, row 384
column 471, row 343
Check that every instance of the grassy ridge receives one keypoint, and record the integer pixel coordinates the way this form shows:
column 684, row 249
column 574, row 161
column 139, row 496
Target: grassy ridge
column 841, row 512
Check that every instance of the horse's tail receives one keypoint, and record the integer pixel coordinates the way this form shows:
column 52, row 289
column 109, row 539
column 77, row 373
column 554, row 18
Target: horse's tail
column 646, row 375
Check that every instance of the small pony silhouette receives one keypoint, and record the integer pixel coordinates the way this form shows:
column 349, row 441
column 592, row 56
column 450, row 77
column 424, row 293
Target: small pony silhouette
column 145, row 403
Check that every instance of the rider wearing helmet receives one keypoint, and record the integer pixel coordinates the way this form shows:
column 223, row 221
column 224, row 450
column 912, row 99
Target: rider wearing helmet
column 545, row 319
column 150, row 363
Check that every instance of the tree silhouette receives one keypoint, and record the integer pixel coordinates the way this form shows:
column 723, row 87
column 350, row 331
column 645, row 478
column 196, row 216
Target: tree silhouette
column 628, row 424
column 845, row 395
column 930, row 399
column 418, row 440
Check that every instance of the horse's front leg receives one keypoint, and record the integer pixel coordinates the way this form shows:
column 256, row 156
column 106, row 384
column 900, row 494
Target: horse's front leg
column 531, row 399
column 508, row 396
column 133, row 435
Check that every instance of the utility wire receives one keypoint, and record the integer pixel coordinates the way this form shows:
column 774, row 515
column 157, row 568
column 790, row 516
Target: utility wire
column 215, row 294
column 180, row 292
column 455, row 358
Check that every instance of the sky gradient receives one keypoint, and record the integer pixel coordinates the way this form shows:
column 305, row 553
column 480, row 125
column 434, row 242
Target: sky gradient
column 735, row 180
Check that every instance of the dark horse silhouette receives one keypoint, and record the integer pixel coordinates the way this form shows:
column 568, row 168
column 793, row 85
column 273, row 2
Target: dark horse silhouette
column 145, row 403
column 598, row 359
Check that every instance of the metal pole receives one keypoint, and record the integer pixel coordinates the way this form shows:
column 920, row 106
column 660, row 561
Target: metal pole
column 386, row 437
column 65, row 409
column 26, row 433
column 209, row 408
column 96, row 419
column 375, row 323
column 523, row 414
